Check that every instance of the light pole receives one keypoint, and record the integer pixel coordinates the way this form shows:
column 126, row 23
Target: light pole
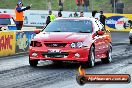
column 49, row 5
column 70, row 5
column 114, row 6
column 46, row 4
column 92, row 5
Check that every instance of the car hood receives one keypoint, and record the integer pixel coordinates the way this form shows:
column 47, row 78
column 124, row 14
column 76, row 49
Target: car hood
column 62, row 37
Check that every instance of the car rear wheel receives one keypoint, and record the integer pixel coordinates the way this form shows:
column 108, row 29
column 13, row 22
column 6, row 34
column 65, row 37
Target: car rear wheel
column 33, row 63
column 91, row 58
column 108, row 59
column 130, row 41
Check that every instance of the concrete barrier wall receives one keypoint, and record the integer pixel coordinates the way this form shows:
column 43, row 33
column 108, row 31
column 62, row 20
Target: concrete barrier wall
column 118, row 22
column 15, row 42
column 114, row 22
column 7, row 43
column 38, row 17
column 23, row 39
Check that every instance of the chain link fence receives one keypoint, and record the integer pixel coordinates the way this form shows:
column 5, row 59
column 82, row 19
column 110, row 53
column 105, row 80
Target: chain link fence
column 105, row 5
column 68, row 5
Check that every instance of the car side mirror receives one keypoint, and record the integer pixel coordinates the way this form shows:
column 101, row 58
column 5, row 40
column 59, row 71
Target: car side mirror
column 37, row 31
column 100, row 32
column 103, row 29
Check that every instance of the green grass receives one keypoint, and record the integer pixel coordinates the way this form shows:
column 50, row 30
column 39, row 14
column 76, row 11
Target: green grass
column 69, row 5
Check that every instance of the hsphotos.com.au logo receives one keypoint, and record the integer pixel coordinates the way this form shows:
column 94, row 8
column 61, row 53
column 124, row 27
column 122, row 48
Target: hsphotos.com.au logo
column 83, row 78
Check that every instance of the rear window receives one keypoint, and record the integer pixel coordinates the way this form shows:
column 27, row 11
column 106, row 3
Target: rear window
column 71, row 25
column 5, row 21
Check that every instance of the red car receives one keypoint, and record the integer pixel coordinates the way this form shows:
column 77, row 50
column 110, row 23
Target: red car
column 6, row 19
column 72, row 39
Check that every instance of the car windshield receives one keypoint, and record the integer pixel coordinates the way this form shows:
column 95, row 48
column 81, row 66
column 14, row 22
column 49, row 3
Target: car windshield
column 5, row 21
column 64, row 25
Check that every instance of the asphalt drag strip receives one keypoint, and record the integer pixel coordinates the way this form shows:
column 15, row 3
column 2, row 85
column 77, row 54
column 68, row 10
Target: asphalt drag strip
column 49, row 75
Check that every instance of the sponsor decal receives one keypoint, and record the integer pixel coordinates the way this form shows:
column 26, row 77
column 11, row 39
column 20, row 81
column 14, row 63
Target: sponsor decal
column 118, row 22
column 23, row 40
column 7, row 43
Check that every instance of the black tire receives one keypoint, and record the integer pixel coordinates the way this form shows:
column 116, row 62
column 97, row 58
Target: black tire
column 108, row 59
column 33, row 63
column 130, row 41
column 91, row 58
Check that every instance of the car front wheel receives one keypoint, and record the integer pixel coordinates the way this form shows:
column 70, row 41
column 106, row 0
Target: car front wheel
column 33, row 63
column 130, row 41
column 91, row 58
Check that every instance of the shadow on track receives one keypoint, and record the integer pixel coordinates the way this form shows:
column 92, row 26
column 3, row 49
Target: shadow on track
column 64, row 65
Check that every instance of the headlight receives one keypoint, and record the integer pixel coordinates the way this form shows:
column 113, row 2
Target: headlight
column 35, row 44
column 73, row 45
column 77, row 45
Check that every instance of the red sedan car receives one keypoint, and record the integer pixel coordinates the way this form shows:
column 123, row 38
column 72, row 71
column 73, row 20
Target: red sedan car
column 5, row 20
column 72, row 39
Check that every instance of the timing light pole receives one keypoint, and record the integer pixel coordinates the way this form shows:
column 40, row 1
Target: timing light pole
column 92, row 5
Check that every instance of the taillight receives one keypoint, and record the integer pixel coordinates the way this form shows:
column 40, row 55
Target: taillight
column 35, row 44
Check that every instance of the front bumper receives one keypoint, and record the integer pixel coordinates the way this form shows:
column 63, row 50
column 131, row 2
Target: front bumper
column 66, row 54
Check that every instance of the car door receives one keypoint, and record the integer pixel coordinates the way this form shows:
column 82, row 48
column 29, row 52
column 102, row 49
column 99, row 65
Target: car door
column 105, row 38
column 99, row 41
